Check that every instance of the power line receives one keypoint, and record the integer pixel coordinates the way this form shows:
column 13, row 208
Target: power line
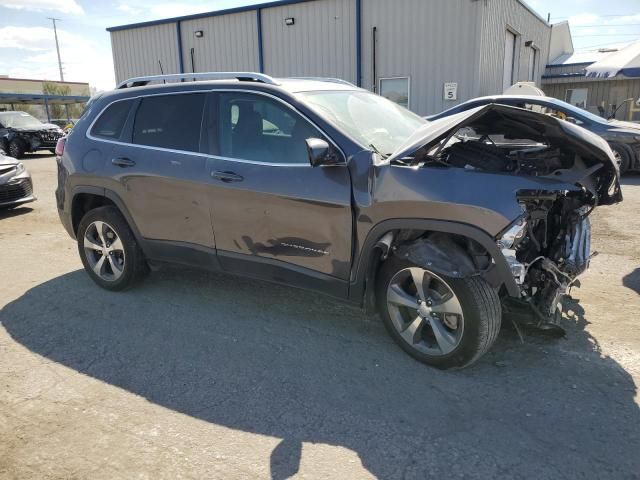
column 609, row 25
column 609, row 35
column 602, row 16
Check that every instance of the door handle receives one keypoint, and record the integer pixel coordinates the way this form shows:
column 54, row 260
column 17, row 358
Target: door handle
column 123, row 162
column 227, row 177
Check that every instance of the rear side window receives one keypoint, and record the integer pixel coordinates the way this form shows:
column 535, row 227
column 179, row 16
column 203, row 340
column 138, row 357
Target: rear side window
column 170, row 121
column 112, row 120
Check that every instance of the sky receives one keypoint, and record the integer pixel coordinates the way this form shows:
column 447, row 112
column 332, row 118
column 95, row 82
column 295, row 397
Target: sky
column 27, row 47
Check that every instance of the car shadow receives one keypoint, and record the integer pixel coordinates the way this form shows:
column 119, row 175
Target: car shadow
column 14, row 212
column 632, row 280
column 302, row 368
column 630, row 179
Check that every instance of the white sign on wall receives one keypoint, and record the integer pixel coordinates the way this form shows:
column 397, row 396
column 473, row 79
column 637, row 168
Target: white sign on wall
column 450, row 91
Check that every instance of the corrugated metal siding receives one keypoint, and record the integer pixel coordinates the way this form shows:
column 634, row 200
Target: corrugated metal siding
column 432, row 42
column 321, row 43
column 607, row 91
column 497, row 17
column 137, row 51
column 229, row 43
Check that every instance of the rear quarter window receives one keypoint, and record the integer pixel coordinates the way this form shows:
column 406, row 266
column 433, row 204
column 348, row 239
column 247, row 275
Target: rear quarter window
column 110, row 124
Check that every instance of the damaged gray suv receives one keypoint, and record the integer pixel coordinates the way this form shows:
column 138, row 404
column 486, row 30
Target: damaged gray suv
column 321, row 185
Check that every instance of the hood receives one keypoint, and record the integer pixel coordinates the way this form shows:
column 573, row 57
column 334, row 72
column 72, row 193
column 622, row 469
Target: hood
column 597, row 169
column 5, row 160
column 625, row 125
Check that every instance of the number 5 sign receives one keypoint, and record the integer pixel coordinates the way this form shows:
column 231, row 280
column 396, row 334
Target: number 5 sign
column 450, row 91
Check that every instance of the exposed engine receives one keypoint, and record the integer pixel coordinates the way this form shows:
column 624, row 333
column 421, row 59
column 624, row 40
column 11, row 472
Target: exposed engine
column 549, row 246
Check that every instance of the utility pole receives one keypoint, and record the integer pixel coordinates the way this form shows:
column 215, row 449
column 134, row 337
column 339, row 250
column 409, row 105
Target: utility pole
column 55, row 33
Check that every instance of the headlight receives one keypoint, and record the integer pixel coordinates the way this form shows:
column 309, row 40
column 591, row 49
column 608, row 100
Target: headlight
column 514, row 233
column 20, row 168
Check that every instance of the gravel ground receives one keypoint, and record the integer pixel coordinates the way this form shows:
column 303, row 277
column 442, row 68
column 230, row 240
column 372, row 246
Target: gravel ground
column 196, row 375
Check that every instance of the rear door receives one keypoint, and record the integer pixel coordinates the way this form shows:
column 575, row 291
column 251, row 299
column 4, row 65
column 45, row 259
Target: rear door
column 160, row 173
column 269, row 205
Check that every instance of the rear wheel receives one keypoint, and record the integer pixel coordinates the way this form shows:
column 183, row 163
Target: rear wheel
column 441, row 321
column 109, row 251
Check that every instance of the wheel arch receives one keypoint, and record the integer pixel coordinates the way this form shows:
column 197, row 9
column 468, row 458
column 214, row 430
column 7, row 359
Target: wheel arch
column 87, row 198
column 372, row 254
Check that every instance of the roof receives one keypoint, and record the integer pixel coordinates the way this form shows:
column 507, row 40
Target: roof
column 252, row 7
column 586, row 57
column 40, row 99
column 625, row 61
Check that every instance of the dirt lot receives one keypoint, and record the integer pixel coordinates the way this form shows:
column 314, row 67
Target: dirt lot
column 195, row 375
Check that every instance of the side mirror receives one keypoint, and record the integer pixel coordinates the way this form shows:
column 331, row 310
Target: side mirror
column 320, row 153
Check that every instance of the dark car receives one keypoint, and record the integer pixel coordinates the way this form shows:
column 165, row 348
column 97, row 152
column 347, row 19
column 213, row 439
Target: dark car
column 21, row 133
column 623, row 137
column 325, row 186
column 16, row 186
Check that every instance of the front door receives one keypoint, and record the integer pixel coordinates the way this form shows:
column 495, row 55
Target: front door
column 269, row 206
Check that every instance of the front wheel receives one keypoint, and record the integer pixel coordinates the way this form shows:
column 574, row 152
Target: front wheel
column 441, row 321
column 17, row 148
column 622, row 156
column 109, row 251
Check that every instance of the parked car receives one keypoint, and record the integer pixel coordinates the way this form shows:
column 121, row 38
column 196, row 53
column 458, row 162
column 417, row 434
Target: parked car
column 21, row 133
column 325, row 186
column 623, row 137
column 16, row 186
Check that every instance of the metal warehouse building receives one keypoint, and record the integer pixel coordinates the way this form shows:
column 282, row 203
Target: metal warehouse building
column 426, row 54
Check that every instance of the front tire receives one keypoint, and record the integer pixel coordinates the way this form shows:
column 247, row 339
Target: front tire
column 622, row 155
column 17, row 148
column 441, row 321
column 109, row 251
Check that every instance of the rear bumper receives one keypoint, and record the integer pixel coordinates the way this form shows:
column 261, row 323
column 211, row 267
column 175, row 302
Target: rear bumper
column 18, row 191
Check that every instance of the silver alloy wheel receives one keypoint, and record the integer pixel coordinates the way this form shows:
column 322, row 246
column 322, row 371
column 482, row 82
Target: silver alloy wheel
column 425, row 311
column 104, row 251
column 618, row 157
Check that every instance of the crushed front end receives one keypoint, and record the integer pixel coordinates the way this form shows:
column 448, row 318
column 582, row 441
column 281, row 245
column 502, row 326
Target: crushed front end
column 557, row 174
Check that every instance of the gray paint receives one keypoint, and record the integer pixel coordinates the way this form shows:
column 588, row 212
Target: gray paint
column 322, row 42
column 229, row 43
column 137, row 51
column 497, row 17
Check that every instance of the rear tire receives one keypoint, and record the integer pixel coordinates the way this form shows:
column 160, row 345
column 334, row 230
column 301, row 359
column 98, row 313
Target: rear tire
column 109, row 251
column 466, row 335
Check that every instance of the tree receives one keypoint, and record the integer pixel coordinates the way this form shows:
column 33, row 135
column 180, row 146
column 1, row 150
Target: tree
column 56, row 110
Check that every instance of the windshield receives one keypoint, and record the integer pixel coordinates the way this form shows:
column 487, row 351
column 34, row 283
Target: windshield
column 579, row 112
column 19, row 120
column 371, row 120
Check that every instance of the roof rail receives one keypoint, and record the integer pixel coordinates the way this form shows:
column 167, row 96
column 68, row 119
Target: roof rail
column 242, row 76
column 325, row 79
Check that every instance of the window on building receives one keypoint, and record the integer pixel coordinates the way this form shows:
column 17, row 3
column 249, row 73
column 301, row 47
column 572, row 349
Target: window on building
column 509, row 59
column 533, row 64
column 397, row 90
column 170, row 121
column 258, row 128
column 112, row 120
column 577, row 97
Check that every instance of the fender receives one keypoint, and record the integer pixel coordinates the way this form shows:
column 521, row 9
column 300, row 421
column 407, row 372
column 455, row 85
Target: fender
column 500, row 274
column 111, row 195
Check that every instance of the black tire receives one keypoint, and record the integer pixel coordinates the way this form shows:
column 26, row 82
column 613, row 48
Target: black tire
column 624, row 154
column 17, row 148
column 135, row 267
column 481, row 308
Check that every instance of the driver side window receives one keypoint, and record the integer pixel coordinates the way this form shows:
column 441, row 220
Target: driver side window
column 257, row 128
